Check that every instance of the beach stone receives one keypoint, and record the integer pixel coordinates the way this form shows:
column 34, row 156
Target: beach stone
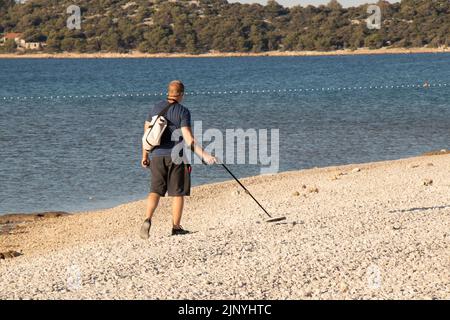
column 308, row 293
column 428, row 182
column 296, row 194
column 343, row 287
column 313, row 190
column 236, row 192
column 356, row 170
column 9, row 254
column 397, row 226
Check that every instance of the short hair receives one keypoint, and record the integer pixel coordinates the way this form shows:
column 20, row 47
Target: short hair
column 175, row 89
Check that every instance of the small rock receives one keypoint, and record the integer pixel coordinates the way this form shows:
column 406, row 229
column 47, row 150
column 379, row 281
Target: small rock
column 396, row 226
column 308, row 293
column 296, row 194
column 415, row 166
column 430, row 164
column 9, row 254
column 343, row 287
column 313, row 190
column 304, row 186
column 428, row 182
column 356, row 170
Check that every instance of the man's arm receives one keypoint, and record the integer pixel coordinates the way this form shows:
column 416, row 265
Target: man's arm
column 145, row 162
column 190, row 141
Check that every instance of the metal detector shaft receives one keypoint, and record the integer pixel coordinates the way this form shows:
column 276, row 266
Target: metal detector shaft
column 243, row 187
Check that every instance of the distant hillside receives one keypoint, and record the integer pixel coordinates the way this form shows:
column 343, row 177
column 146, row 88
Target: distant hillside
column 200, row 26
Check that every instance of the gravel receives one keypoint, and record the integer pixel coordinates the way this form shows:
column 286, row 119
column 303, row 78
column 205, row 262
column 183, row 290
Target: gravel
column 374, row 233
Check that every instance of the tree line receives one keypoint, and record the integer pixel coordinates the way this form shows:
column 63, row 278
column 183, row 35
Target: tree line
column 190, row 26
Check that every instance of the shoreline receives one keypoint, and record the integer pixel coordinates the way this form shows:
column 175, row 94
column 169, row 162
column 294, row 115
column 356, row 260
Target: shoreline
column 19, row 217
column 138, row 55
column 389, row 216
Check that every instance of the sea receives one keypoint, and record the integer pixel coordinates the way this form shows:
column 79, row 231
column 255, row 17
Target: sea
column 70, row 129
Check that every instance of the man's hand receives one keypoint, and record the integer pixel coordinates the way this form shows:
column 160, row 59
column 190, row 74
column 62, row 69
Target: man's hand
column 209, row 159
column 145, row 162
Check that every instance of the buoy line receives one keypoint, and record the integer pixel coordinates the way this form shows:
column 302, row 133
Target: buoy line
column 229, row 92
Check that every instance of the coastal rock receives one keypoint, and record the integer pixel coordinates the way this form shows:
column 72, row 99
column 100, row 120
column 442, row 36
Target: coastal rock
column 428, row 182
column 11, row 222
column 436, row 152
column 296, row 193
column 26, row 217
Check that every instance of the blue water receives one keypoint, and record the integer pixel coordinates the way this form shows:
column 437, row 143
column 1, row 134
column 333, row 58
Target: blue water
column 83, row 153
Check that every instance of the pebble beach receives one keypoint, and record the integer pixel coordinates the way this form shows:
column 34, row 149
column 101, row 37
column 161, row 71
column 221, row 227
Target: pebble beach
column 363, row 231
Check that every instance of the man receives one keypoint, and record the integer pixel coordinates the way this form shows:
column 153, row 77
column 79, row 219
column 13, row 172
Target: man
column 167, row 176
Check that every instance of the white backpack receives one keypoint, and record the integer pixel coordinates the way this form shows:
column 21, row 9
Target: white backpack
column 152, row 136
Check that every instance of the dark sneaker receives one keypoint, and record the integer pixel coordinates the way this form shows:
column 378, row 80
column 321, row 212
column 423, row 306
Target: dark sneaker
column 145, row 229
column 179, row 231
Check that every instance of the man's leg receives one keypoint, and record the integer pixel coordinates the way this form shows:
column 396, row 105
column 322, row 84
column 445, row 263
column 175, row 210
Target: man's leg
column 152, row 204
column 178, row 187
column 177, row 211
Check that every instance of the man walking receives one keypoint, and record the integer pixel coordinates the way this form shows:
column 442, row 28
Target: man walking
column 167, row 175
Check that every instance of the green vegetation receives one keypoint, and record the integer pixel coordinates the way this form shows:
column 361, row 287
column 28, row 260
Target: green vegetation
column 10, row 46
column 204, row 25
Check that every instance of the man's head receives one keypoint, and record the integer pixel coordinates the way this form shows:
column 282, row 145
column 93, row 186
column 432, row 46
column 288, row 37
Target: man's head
column 175, row 90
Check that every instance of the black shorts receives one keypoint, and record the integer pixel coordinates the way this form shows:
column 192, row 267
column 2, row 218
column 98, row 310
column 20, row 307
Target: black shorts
column 175, row 179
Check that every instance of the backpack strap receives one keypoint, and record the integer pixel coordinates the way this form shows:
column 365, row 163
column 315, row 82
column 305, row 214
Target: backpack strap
column 164, row 111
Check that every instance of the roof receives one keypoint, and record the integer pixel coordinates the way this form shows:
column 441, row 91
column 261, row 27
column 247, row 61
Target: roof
column 12, row 35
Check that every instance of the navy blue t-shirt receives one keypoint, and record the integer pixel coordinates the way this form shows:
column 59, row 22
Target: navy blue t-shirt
column 177, row 116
